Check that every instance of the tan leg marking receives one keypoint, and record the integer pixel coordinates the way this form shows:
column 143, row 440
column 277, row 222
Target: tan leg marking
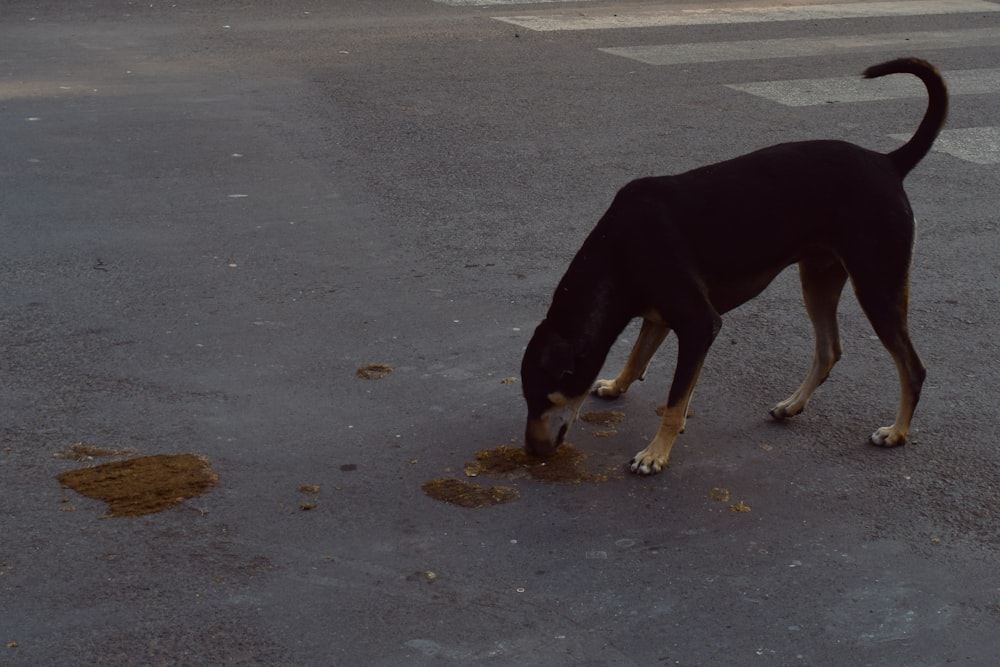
column 653, row 458
column 888, row 316
column 822, row 283
column 651, row 336
column 827, row 352
column 910, row 370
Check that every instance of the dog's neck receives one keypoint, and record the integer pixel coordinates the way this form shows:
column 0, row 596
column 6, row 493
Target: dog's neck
column 588, row 313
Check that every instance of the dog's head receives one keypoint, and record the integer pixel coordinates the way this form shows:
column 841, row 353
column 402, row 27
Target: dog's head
column 552, row 389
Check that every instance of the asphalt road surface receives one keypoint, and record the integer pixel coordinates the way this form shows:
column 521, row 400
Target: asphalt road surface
column 212, row 214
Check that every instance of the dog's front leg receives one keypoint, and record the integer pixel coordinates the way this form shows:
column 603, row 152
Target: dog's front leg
column 651, row 336
column 694, row 340
column 823, row 278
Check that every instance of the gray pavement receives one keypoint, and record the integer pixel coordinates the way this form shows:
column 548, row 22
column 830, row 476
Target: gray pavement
column 212, row 214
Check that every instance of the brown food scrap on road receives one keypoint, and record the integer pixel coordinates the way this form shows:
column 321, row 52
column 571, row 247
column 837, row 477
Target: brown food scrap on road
column 510, row 463
column 607, row 418
column 305, row 506
column 566, row 465
column 145, row 484
column 373, row 371
column 464, row 494
column 719, row 494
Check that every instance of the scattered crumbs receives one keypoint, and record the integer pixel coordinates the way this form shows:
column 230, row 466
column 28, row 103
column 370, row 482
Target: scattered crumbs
column 767, row 448
column 603, row 417
column 605, row 434
column 308, row 506
column 508, row 380
column 719, row 494
column 740, row 507
column 425, row 575
column 309, row 488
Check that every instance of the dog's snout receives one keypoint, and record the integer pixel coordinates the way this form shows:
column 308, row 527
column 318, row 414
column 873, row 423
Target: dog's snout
column 538, row 441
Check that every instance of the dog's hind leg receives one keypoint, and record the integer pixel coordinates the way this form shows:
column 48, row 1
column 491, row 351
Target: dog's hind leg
column 694, row 338
column 822, row 278
column 651, row 336
column 888, row 316
column 882, row 285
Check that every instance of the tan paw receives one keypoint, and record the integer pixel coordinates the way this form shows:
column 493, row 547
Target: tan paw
column 607, row 389
column 647, row 462
column 887, row 437
column 786, row 409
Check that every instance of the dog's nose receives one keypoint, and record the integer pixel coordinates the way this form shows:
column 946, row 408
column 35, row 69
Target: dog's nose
column 538, row 441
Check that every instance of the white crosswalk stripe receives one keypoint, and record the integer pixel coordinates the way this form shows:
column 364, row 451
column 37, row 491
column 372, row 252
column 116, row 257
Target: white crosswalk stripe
column 795, row 47
column 647, row 18
column 811, row 92
column 978, row 145
column 489, row 3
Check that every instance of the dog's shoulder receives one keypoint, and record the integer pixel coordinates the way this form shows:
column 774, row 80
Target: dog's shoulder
column 640, row 206
column 646, row 188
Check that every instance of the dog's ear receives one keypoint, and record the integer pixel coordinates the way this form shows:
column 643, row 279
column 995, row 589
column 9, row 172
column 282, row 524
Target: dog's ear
column 557, row 358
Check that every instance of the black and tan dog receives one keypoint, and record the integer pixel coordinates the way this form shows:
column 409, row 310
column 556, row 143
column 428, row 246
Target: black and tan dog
column 679, row 251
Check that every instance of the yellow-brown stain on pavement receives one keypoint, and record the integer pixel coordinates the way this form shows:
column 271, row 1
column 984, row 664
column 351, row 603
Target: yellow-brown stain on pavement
column 566, row 465
column 145, row 484
column 464, row 494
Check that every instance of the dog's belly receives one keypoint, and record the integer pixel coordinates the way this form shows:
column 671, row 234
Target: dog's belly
column 731, row 289
column 725, row 296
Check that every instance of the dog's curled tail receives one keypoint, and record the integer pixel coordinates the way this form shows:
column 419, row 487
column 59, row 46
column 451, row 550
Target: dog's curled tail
column 913, row 151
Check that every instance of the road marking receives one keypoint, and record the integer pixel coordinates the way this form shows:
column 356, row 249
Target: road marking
column 810, row 92
column 647, row 18
column 486, row 3
column 979, row 145
column 794, row 47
